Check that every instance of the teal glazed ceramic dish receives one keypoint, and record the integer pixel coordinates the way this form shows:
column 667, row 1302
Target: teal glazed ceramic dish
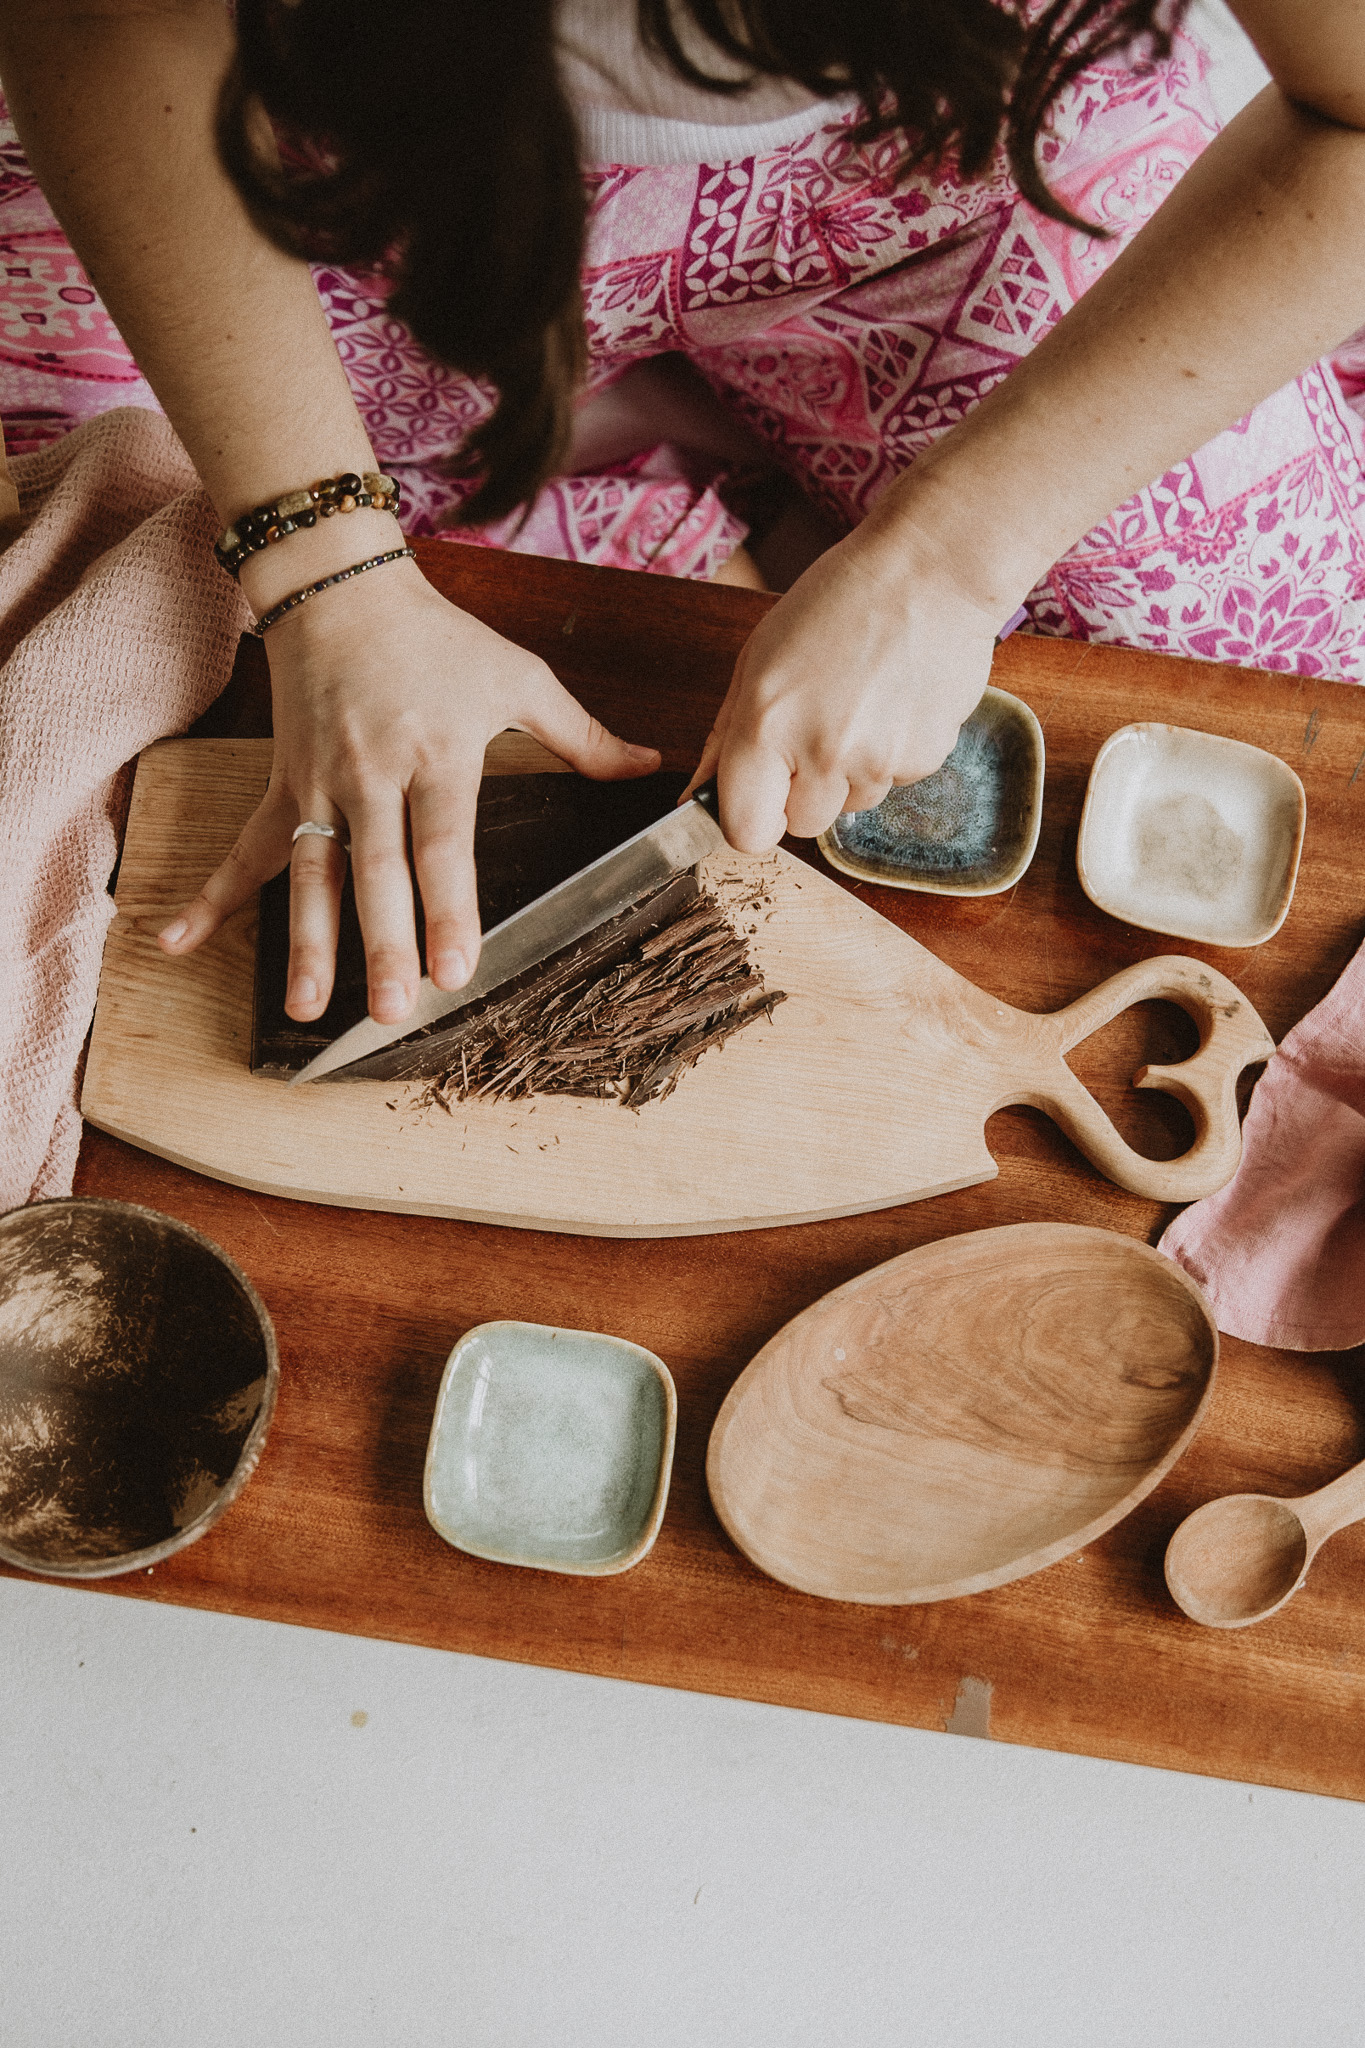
column 969, row 830
column 551, row 1448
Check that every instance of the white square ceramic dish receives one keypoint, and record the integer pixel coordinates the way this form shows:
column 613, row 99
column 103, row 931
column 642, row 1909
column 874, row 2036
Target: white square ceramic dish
column 551, row 1448
column 969, row 830
column 1191, row 834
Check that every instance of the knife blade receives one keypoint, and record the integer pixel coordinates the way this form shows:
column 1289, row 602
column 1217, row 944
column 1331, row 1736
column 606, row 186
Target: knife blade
column 563, row 914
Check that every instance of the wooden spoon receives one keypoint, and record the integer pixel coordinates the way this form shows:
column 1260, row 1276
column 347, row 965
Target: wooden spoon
column 1242, row 1558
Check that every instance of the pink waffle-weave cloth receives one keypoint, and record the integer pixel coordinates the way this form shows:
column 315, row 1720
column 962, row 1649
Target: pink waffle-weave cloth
column 117, row 628
column 1280, row 1251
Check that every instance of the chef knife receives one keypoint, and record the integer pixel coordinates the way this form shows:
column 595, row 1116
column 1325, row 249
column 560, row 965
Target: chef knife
column 597, row 893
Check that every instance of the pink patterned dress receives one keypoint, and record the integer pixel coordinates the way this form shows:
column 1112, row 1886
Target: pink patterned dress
column 848, row 319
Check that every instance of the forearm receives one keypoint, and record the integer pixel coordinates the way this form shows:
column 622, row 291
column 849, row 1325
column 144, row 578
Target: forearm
column 116, row 110
column 1253, row 268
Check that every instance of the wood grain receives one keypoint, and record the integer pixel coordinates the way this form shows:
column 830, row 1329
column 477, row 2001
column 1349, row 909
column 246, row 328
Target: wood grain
column 1090, row 1655
column 964, row 1415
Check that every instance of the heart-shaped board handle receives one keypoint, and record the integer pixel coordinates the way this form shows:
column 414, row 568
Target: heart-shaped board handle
column 1231, row 1038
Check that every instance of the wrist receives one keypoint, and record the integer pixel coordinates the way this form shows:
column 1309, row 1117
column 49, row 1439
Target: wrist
column 314, row 552
column 362, row 610
column 939, row 519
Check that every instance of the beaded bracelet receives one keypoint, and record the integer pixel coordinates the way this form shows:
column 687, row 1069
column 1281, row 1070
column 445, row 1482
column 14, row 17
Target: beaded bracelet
column 298, row 597
column 270, row 523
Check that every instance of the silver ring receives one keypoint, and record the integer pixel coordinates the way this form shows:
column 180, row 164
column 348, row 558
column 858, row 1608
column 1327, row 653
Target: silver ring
column 322, row 831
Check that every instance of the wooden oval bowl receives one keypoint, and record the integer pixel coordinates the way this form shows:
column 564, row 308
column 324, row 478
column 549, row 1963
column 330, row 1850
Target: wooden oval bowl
column 138, row 1373
column 963, row 1415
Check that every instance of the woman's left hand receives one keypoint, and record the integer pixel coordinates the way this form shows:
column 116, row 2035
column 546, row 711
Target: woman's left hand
column 858, row 678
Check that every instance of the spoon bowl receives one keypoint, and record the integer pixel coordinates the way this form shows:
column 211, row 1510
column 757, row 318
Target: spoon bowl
column 1238, row 1560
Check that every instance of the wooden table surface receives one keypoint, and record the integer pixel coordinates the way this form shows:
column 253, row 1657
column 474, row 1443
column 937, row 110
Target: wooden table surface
column 1090, row 1655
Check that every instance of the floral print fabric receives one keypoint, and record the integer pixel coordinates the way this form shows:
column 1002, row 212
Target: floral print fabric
column 849, row 319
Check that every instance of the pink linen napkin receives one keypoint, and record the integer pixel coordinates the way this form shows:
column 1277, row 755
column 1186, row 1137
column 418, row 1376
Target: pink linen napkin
column 117, row 627
column 1280, row 1251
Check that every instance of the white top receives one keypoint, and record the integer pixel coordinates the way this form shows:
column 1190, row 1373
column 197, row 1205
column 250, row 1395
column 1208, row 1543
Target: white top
column 632, row 108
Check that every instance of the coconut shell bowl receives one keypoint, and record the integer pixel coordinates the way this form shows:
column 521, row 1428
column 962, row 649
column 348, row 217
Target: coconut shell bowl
column 138, row 1373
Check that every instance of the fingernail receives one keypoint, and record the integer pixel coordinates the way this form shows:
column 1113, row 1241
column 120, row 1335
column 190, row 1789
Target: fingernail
column 304, row 990
column 174, row 933
column 390, row 1002
column 643, row 753
column 450, row 970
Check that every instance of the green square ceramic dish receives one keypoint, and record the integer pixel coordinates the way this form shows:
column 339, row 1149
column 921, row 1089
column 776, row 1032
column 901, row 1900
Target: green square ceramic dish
column 551, row 1448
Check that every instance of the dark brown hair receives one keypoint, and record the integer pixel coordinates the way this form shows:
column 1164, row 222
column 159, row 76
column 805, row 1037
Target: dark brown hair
column 431, row 139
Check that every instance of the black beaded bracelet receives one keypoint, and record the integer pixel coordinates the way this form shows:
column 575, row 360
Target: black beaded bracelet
column 298, row 597
column 271, row 523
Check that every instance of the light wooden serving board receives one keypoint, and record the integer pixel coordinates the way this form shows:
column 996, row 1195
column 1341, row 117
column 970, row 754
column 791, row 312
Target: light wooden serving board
column 869, row 1087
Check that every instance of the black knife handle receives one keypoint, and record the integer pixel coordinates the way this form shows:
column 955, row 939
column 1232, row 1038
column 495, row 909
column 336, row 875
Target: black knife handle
column 708, row 796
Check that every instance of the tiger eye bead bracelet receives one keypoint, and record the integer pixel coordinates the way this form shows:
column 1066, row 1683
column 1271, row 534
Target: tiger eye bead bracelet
column 271, row 523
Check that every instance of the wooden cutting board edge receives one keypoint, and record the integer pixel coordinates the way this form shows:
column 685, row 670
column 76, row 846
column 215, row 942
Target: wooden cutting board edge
column 560, row 1227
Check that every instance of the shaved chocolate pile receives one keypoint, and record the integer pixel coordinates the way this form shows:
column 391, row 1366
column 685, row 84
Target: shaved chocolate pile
column 625, row 1013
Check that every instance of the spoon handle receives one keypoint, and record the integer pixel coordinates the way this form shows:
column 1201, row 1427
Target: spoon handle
column 1332, row 1507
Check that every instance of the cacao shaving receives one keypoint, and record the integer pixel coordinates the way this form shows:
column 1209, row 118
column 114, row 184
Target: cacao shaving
column 611, row 1019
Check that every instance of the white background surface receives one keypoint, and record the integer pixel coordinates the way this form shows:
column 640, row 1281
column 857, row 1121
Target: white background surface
column 202, row 1842
column 199, row 1846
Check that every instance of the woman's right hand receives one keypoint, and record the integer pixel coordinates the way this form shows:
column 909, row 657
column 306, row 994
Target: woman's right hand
column 385, row 697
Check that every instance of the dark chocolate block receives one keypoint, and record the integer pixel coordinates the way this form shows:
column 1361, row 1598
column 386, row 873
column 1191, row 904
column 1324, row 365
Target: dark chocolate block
column 531, row 832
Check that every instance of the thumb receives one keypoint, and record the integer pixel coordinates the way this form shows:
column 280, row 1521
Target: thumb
column 755, row 785
column 560, row 723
